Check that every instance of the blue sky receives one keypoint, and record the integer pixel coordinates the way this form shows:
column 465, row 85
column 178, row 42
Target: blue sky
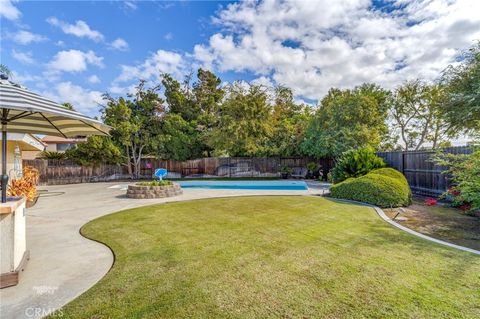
column 145, row 27
column 75, row 51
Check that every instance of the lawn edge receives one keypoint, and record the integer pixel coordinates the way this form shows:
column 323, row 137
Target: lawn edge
column 382, row 215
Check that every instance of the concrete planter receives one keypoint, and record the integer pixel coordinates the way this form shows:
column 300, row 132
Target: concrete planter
column 140, row 192
column 13, row 247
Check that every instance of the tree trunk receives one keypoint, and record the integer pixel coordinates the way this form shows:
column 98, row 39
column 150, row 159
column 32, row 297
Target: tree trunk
column 129, row 162
column 134, row 158
column 138, row 161
column 404, row 139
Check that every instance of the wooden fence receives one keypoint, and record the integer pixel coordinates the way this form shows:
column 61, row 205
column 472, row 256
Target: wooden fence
column 424, row 177
column 66, row 172
column 231, row 166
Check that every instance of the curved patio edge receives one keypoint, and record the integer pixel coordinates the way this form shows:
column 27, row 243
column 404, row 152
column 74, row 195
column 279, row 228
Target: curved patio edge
column 382, row 215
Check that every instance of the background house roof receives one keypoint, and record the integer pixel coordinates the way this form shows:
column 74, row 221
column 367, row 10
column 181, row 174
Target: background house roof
column 28, row 142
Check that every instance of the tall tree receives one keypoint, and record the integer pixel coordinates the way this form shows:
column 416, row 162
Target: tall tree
column 197, row 104
column 347, row 119
column 462, row 109
column 179, row 139
column 180, row 97
column 136, row 124
column 440, row 131
column 207, row 95
column 415, row 114
column 289, row 122
column 244, row 125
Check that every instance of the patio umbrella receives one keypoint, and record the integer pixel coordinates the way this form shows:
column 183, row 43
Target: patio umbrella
column 22, row 111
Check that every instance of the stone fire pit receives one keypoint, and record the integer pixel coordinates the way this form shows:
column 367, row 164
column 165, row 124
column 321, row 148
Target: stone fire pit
column 147, row 191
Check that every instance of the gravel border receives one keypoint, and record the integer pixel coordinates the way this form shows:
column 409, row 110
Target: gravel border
column 382, row 214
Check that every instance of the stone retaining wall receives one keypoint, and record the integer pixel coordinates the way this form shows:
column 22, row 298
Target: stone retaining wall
column 139, row 191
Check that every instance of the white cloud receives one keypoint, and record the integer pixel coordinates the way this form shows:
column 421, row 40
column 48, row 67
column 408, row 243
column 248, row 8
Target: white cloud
column 130, row 5
column 24, row 78
column 119, row 44
column 80, row 29
column 84, row 101
column 311, row 46
column 23, row 57
column 26, row 37
column 94, row 79
column 122, row 90
column 168, row 36
column 263, row 81
column 159, row 62
column 8, row 10
column 74, row 61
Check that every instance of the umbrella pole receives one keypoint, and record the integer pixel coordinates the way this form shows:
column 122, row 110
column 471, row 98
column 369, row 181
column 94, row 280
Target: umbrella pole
column 4, row 179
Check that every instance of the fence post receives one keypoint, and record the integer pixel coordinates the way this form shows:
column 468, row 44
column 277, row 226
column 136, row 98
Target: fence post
column 229, row 168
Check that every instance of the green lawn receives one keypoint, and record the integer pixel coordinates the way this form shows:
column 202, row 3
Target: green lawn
column 273, row 257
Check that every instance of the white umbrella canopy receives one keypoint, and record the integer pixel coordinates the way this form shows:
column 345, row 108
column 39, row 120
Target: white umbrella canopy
column 28, row 112
column 22, row 111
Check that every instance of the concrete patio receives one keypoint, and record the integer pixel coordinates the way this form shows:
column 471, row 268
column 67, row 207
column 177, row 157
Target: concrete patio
column 63, row 264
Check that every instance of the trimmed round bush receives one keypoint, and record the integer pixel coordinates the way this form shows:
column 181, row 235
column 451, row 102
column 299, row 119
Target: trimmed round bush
column 391, row 172
column 375, row 189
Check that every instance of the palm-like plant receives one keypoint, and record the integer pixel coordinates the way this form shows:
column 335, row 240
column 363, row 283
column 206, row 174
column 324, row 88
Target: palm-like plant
column 5, row 72
column 50, row 155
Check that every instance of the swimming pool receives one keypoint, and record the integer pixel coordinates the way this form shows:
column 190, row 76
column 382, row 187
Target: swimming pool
column 266, row 185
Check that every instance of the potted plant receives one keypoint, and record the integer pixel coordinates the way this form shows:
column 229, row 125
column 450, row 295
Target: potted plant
column 23, row 188
column 313, row 169
column 285, row 171
column 26, row 186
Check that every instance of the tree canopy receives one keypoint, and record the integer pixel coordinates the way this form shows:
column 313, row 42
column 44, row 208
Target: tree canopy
column 347, row 119
column 462, row 107
column 136, row 123
column 415, row 114
column 243, row 127
column 96, row 150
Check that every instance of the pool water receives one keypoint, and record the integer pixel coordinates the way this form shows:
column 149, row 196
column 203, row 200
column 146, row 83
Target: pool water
column 266, row 185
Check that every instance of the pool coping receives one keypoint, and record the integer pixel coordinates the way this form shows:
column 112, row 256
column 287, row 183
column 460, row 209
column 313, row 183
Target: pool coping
column 276, row 185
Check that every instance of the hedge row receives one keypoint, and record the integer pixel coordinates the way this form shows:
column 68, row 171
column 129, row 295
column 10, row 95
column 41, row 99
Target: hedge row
column 384, row 187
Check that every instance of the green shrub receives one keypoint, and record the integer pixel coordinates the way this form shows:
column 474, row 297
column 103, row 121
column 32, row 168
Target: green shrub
column 375, row 189
column 390, row 172
column 393, row 173
column 312, row 166
column 156, row 183
column 464, row 170
column 51, row 155
column 356, row 163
